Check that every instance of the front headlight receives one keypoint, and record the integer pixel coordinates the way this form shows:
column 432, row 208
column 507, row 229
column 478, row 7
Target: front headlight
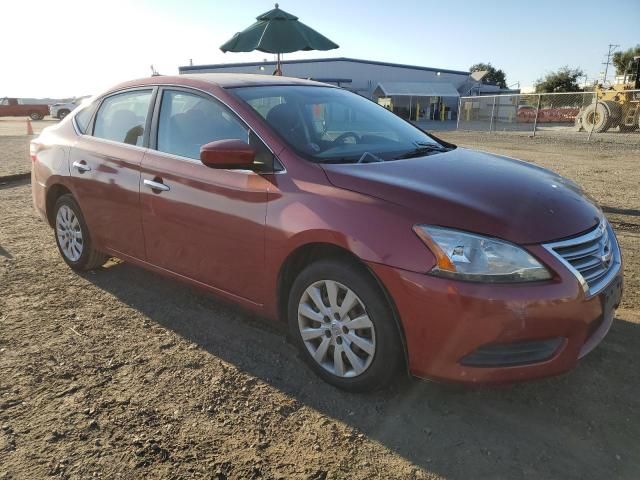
column 471, row 257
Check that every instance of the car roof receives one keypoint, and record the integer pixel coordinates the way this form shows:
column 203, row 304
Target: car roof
column 230, row 80
column 222, row 80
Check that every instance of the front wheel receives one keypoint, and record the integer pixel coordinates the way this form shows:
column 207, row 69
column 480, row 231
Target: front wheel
column 62, row 114
column 596, row 117
column 344, row 327
column 72, row 236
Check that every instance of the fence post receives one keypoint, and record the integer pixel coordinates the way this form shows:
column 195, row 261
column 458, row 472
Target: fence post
column 459, row 111
column 595, row 114
column 535, row 122
column 493, row 108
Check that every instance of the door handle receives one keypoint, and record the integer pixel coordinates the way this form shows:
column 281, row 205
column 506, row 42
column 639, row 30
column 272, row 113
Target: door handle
column 153, row 185
column 81, row 166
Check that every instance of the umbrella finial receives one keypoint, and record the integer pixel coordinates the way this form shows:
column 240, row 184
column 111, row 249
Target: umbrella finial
column 277, row 5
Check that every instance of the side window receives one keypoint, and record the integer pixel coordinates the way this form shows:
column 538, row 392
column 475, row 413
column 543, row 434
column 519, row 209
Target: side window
column 123, row 117
column 83, row 117
column 188, row 121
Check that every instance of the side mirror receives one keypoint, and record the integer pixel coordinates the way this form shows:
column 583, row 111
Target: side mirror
column 227, row 154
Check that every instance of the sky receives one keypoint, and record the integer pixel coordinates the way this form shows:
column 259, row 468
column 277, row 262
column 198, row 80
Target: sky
column 66, row 48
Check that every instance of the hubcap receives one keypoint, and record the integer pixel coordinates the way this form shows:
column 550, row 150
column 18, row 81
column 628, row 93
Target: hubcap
column 593, row 118
column 336, row 328
column 69, row 233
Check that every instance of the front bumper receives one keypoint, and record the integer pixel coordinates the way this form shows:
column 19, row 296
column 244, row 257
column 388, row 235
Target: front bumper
column 447, row 321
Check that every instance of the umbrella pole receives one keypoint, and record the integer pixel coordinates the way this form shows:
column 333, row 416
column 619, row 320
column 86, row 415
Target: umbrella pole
column 278, row 69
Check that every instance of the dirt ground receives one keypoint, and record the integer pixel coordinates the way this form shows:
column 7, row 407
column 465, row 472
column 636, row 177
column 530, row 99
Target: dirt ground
column 14, row 155
column 11, row 126
column 14, row 144
column 120, row 373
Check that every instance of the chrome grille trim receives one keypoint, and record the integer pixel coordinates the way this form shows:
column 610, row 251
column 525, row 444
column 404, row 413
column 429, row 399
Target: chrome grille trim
column 594, row 258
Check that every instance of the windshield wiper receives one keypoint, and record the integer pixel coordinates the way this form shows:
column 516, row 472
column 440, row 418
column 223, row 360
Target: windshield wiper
column 366, row 157
column 421, row 150
column 336, row 160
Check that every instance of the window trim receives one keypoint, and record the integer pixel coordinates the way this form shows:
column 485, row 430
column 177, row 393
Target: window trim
column 145, row 138
column 278, row 166
column 93, row 105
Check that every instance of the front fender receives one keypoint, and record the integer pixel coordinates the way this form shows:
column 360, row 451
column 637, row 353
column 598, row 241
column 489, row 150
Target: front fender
column 372, row 229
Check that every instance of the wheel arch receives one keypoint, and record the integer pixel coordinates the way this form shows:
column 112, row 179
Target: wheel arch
column 54, row 192
column 305, row 255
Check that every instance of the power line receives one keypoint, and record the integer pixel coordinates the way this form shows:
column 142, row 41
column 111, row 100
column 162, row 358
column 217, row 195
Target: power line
column 612, row 48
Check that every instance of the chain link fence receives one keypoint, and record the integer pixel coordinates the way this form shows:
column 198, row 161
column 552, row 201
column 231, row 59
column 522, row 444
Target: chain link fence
column 614, row 114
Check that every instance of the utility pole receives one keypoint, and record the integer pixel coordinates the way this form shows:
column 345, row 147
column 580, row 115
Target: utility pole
column 612, row 48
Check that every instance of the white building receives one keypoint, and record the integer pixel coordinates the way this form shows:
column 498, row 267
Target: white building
column 419, row 93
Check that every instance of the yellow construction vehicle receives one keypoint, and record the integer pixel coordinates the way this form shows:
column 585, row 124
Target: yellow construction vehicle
column 614, row 106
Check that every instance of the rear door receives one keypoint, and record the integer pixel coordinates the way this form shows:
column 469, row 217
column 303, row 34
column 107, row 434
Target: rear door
column 203, row 223
column 105, row 168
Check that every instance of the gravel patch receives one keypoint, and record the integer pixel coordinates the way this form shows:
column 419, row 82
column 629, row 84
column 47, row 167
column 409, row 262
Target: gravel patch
column 14, row 155
column 120, row 373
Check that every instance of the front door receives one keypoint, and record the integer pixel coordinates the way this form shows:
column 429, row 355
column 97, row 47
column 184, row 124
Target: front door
column 105, row 171
column 203, row 223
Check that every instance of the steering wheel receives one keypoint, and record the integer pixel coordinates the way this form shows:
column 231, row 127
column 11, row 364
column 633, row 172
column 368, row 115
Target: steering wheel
column 340, row 138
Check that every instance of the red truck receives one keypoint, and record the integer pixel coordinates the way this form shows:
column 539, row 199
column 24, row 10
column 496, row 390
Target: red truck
column 12, row 107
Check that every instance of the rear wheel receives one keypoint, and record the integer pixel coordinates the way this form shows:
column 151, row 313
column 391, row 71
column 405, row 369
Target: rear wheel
column 596, row 117
column 344, row 327
column 36, row 116
column 72, row 236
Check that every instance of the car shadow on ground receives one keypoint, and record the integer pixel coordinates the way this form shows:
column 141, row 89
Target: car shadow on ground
column 580, row 425
column 634, row 212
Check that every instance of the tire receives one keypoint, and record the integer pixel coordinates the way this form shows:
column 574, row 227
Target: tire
column 72, row 236
column 595, row 116
column 615, row 114
column 62, row 114
column 36, row 116
column 371, row 362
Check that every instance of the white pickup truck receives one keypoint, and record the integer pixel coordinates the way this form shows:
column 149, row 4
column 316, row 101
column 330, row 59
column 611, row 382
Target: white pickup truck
column 61, row 110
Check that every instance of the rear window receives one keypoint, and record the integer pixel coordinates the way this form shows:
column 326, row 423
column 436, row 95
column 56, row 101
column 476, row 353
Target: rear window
column 83, row 117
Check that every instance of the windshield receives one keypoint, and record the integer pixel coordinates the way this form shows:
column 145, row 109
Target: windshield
column 332, row 125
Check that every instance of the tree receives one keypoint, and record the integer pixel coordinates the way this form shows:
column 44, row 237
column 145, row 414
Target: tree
column 564, row 79
column 495, row 75
column 621, row 60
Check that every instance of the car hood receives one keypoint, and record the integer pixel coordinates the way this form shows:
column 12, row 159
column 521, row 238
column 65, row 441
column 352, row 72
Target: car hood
column 478, row 192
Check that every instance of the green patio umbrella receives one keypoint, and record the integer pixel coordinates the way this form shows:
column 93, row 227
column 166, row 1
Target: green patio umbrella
column 277, row 31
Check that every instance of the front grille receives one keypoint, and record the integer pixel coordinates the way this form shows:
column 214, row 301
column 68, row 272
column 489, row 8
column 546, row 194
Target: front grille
column 594, row 258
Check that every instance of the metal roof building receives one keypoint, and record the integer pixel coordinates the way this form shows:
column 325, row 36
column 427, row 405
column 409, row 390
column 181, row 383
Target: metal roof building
column 416, row 92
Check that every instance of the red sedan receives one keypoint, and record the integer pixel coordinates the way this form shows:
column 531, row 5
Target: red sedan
column 384, row 248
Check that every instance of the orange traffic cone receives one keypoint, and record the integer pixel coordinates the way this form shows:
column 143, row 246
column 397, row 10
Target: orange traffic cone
column 29, row 127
